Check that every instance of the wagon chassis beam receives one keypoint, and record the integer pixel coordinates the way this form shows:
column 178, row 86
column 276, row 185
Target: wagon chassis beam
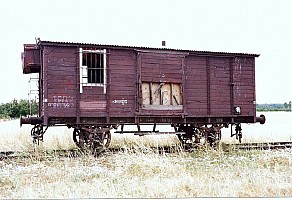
column 139, row 132
column 188, row 134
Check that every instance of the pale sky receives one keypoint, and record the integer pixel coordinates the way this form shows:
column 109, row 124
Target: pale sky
column 246, row 26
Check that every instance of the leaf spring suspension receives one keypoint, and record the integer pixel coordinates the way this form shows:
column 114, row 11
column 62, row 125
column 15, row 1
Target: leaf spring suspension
column 37, row 133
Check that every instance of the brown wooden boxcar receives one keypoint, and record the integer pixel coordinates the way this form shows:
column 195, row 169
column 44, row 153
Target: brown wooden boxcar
column 94, row 88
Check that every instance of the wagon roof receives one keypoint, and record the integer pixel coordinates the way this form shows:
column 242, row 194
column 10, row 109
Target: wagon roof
column 146, row 48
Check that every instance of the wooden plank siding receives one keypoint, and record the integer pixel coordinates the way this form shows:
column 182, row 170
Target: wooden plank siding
column 122, row 83
column 196, row 86
column 208, row 85
column 93, row 102
column 220, row 86
column 244, row 85
column 60, row 81
column 161, row 68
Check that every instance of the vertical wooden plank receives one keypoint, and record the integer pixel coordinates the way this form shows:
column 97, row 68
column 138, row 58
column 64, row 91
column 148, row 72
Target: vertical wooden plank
column 41, row 79
column 45, row 84
column 208, row 86
column 176, row 94
column 105, row 71
column 231, row 86
column 150, row 93
column 79, row 61
column 78, row 84
column 183, row 66
column 254, row 90
column 156, row 93
column 107, row 85
column 165, row 94
column 160, row 96
column 139, row 82
column 171, row 93
column 146, row 95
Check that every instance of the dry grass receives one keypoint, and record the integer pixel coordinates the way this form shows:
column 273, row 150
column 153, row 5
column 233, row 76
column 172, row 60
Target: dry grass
column 143, row 173
column 146, row 174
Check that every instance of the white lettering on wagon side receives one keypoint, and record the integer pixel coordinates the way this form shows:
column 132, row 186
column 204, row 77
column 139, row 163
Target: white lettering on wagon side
column 61, row 102
column 121, row 101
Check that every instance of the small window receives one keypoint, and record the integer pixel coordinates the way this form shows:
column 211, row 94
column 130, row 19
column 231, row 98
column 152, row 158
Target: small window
column 94, row 63
column 92, row 68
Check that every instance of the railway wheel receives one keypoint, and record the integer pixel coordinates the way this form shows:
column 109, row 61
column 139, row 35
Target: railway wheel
column 101, row 142
column 213, row 138
column 80, row 138
column 191, row 135
column 107, row 139
column 91, row 139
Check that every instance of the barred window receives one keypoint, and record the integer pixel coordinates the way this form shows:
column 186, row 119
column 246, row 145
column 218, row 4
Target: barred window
column 92, row 68
column 94, row 64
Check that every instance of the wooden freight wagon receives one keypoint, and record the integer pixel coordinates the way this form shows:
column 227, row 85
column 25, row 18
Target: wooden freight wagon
column 94, row 88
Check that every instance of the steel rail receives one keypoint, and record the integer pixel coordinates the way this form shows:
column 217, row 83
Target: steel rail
column 78, row 153
column 162, row 149
column 262, row 146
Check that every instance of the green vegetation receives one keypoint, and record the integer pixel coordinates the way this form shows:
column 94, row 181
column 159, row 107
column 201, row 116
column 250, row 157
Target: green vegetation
column 274, row 107
column 16, row 108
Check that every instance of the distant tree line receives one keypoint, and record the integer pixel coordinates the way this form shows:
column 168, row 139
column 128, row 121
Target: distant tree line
column 16, row 108
column 274, row 107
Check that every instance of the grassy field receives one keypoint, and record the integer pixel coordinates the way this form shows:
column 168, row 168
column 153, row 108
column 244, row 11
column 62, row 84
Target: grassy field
column 143, row 174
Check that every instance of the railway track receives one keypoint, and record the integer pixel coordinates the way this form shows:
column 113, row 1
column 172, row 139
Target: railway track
column 262, row 146
column 166, row 149
column 77, row 152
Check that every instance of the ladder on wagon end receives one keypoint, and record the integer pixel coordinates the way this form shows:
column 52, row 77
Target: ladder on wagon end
column 33, row 90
